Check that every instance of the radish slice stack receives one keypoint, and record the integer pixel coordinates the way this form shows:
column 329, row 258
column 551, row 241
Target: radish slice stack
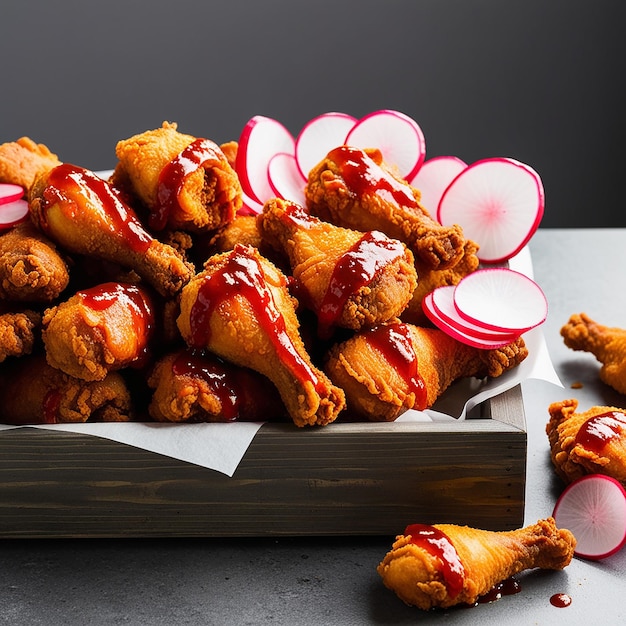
column 593, row 508
column 434, row 177
column 489, row 308
column 13, row 207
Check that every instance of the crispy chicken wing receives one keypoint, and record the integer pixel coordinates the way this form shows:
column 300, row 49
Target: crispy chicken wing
column 18, row 333
column 608, row 345
column 353, row 188
column 589, row 442
column 348, row 278
column 34, row 392
column 196, row 386
column 239, row 308
column 99, row 330
column 31, row 268
column 85, row 215
column 444, row 565
column 185, row 182
column 388, row 369
column 23, row 160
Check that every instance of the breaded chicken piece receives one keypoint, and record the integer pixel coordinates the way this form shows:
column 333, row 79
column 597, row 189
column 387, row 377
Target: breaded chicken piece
column 348, row 278
column 607, row 344
column 389, row 369
column 353, row 188
column 23, row 160
column 240, row 309
column 99, row 330
column 444, row 565
column 589, row 442
column 185, row 182
column 18, row 333
column 196, row 386
column 85, row 215
column 430, row 279
column 31, row 267
column 34, row 392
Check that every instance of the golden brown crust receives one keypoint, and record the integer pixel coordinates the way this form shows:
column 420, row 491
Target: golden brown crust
column 18, row 333
column 23, row 160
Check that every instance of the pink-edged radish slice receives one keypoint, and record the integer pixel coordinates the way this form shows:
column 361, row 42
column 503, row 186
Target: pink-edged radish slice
column 499, row 204
column 463, row 336
column 285, row 178
column 501, row 299
column 261, row 138
column 10, row 192
column 250, row 206
column 593, row 508
column 443, row 303
column 434, row 177
column 396, row 135
column 319, row 136
column 12, row 213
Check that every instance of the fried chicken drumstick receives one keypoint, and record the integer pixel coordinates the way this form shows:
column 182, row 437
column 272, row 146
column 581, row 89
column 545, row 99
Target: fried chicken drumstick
column 31, row 268
column 195, row 386
column 349, row 279
column 99, row 330
column 353, row 188
column 444, row 565
column 85, row 215
column 239, row 308
column 185, row 182
column 589, row 442
column 608, row 345
column 391, row 368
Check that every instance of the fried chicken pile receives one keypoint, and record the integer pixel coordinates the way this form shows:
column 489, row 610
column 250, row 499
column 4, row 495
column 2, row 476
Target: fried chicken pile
column 444, row 565
column 151, row 295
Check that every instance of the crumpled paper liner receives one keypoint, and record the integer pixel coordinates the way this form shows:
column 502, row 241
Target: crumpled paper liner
column 221, row 447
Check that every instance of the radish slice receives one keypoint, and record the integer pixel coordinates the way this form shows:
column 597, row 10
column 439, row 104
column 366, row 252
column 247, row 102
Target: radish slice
column 285, row 178
column 261, row 138
column 10, row 192
column 501, row 299
column 443, row 303
column 12, row 213
column 434, row 177
column 319, row 136
column 460, row 335
column 499, row 204
column 396, row 135
column 250, row 206
column 593, row 508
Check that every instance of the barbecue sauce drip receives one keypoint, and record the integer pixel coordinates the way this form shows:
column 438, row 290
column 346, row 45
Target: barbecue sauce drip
column 560, row 600
column 394, row 342
column 172, row 178
column 218, row 376
column 101, row 297
column 439, row 545
column 598, row 431
column 51, row 406
column 67, row 181
column 242, row 275
column 363, row 176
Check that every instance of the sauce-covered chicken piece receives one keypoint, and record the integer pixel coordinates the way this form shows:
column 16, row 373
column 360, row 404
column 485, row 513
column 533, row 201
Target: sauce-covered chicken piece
column 239, row 308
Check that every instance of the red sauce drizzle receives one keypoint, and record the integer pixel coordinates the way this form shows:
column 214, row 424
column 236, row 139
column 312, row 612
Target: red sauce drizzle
column 439, row 545
column 66, row 180
column 216, row 374
column 560, row 600
column 364, row 176
column 599, row 430
column 51, row 406
column 355, row 269
column 242, row 275
column 394, row 342
column 101, row 297
column 172, row 178
column 507, row 587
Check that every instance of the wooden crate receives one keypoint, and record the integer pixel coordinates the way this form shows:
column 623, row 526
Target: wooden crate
column 343, row 479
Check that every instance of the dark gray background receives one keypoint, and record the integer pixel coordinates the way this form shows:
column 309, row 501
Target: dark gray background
column 538, row 80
